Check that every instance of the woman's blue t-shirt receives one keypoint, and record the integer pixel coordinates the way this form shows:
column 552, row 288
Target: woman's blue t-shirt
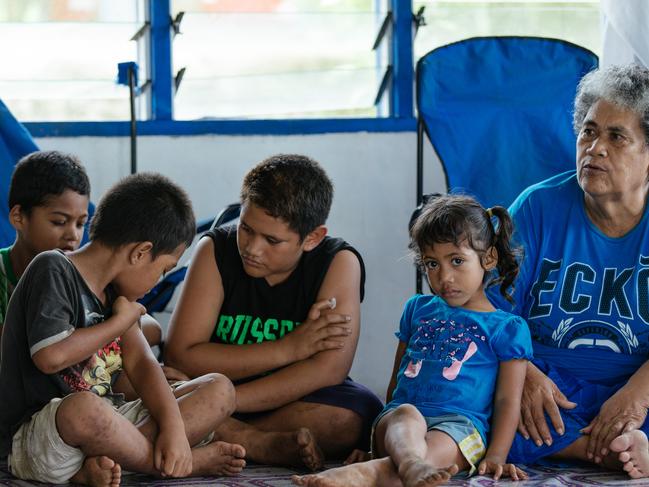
column 585, row 295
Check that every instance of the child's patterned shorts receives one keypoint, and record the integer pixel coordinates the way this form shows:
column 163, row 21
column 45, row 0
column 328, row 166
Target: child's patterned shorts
column 458, row 427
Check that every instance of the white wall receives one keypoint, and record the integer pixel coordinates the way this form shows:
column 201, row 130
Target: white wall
column 374, row 179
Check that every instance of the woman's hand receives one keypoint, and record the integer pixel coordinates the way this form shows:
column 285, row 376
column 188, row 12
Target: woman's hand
column 623, row 411
column 500, row 469
column 541, row 395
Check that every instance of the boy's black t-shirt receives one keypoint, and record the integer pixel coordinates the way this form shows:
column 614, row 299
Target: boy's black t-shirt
column 252, row 310
column 49, row 303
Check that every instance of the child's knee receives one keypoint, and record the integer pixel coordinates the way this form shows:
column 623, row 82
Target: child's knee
column 405, row 410
column 221, row 390
column 83, row 416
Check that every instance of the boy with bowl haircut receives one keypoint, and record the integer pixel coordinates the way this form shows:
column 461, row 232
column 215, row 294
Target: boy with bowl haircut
column 48, row 207
column 73, row 322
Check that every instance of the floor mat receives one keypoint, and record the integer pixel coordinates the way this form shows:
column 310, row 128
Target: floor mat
column 265, row 476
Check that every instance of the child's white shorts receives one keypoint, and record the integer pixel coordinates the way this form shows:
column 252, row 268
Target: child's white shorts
column 39, row 453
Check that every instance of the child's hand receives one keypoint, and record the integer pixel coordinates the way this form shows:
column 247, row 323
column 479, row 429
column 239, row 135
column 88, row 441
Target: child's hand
column 318, row 332
column 499, row 469
column 172, row 455
column 129, row 311
column 173, row 375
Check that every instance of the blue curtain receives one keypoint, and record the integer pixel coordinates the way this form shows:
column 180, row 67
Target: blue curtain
column 15, row 142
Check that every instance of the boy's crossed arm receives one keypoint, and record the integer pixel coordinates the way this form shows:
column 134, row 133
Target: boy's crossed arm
column 316, row 354
column 323, row 368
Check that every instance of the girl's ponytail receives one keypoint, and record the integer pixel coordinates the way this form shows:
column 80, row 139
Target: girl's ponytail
column 508, row 263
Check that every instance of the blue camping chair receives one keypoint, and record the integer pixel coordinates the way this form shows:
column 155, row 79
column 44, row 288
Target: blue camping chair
column 498, row 112
column 15, row 142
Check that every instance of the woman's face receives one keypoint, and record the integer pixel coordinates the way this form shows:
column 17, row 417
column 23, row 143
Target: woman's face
column 612, row 153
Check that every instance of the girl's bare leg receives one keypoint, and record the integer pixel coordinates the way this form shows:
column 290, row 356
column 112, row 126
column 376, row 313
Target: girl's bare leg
column 421, row 458
column 413, row 457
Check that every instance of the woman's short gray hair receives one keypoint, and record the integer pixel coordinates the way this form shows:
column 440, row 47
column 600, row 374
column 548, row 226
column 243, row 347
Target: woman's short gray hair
column 626, row 86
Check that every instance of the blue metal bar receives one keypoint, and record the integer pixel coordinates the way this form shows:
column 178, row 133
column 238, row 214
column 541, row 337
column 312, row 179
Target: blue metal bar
column 401, row 96
column 222, row 127
column 160, row 60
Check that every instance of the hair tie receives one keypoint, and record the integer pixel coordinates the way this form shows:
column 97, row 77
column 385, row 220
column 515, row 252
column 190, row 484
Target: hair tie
column 490, row 213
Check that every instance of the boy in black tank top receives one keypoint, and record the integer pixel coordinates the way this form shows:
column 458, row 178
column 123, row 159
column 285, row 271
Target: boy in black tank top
column 274, row 304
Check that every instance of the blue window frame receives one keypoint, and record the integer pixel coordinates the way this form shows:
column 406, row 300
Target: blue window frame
column 446, row 18
column 160, row 88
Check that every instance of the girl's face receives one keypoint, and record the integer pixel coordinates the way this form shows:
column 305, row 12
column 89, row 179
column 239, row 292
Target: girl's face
column 456, row 273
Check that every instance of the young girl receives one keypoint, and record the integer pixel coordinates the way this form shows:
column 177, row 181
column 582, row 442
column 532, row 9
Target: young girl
column 460, row 363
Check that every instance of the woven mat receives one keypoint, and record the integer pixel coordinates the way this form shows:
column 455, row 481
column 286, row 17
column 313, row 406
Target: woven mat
column 265, row 476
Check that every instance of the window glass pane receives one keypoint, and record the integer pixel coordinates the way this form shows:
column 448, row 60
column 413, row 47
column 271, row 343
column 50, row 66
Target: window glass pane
column 62, row 64
column 448, row 21
column 278, row 59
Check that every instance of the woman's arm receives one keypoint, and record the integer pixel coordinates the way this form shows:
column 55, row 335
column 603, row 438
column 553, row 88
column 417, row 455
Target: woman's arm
column 507, row 406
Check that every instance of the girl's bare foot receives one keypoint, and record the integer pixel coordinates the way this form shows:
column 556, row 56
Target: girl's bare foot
column 633, row 449
column 218, row 458
column 419, row 473
column 375, row 473
column 98, row 471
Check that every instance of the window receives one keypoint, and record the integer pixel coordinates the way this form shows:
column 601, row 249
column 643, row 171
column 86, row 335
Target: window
column 252, row 59
column 62, row 63
column 448, row 21
column 278, row 58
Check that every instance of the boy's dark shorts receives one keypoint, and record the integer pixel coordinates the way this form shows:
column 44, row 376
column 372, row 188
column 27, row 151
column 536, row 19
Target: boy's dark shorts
column 347, row 395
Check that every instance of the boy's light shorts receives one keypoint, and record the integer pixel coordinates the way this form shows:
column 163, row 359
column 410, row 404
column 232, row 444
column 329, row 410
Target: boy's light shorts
column 458, row 427
column 39, row 453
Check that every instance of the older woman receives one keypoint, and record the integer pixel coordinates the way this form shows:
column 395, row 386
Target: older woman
column 584, row 285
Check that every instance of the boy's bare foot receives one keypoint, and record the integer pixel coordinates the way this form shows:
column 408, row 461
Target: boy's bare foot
column 310, row 454
column 633, row 448
column 375, row 473
column 218, row 458
column 98, row 472
column 296, row 448
column 419, row 473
